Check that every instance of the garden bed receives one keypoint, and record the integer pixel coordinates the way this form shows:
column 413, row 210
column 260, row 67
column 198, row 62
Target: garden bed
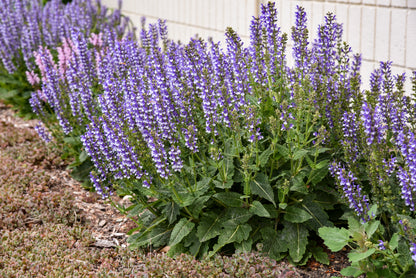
column 51, row 226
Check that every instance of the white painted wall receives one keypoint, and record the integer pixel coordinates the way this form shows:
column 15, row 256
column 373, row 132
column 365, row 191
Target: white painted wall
column 379, row 29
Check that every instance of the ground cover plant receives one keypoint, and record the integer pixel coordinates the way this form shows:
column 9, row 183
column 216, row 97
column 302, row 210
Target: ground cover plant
column 231, row 150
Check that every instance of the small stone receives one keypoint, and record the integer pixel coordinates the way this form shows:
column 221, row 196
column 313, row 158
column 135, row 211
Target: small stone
column 104, row 243
column 102, row 223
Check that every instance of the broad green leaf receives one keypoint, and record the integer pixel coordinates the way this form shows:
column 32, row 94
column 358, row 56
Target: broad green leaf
column 319, row 255
column 245, row 246
column 319, row 217
column 202, row 186
column 228, row 167
column 231, row 234
column 322, row 164
column 193, row 243
column 283, row 151
column 258, row 209
column 229, row 199
column 298, row 183
column 299, row 154
column 356, row 229
column 394, row 241
column 171, row 211
column 264, row 156
column 181, row 229
column 296, row 236
column 371, row 227
column 311, row 163
column 223, row 185
column 334, row 238
column 176, row 250
column 156, row 237
column 261, row 187
column 273, row 242
column 197, row 206
column 356, row 256
column 405, row 258
column 183, row 198
column 322, row 150
column 296, row 215
column 83, row 156
column 317, row 175
column 352, row 271
column 209, row 226
column 235, row 216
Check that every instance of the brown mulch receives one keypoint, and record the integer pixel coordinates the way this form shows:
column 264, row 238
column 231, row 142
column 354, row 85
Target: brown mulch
column 107, row 225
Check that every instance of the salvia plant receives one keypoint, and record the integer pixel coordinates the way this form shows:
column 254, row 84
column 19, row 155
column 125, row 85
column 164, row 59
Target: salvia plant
column 25, row 26
column 228, row 148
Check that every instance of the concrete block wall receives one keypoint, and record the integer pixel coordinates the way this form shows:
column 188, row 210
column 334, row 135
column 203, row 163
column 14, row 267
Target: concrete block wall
column 379, row 29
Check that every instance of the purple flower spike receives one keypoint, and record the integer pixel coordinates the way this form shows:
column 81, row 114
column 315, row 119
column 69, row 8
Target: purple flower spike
column 352, row 191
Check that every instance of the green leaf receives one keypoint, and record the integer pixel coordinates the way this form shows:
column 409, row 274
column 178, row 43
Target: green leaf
column 223, row 185
column 296, row 236
column 245, row 246
column 296, row 215
column 298, row 184
column 371, row 227
column 153, row 237
column 209, row 226
column 183, row 198
column 176, row 250
column 83, row 156
column 261, row 187
column 171, row 211
column 319, row 255
column 403, row 249
column 394, row 241
column 322, row 164
column 322, row 150
column 264, row 156
column 258, row 209
column 352, row 271
column 181, row 229
column 235, row 216
column 299, row 154
column 283, row 151
column 317, row 175
column 357, row 230
column 334, row 238
column 197, row 206
column 356, row 256
column 319, row 217
column 202, row 186
column 273, row 242
column 229, row 199
column 231, row 234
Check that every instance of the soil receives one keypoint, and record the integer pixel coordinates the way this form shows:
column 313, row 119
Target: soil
column 107, row 225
